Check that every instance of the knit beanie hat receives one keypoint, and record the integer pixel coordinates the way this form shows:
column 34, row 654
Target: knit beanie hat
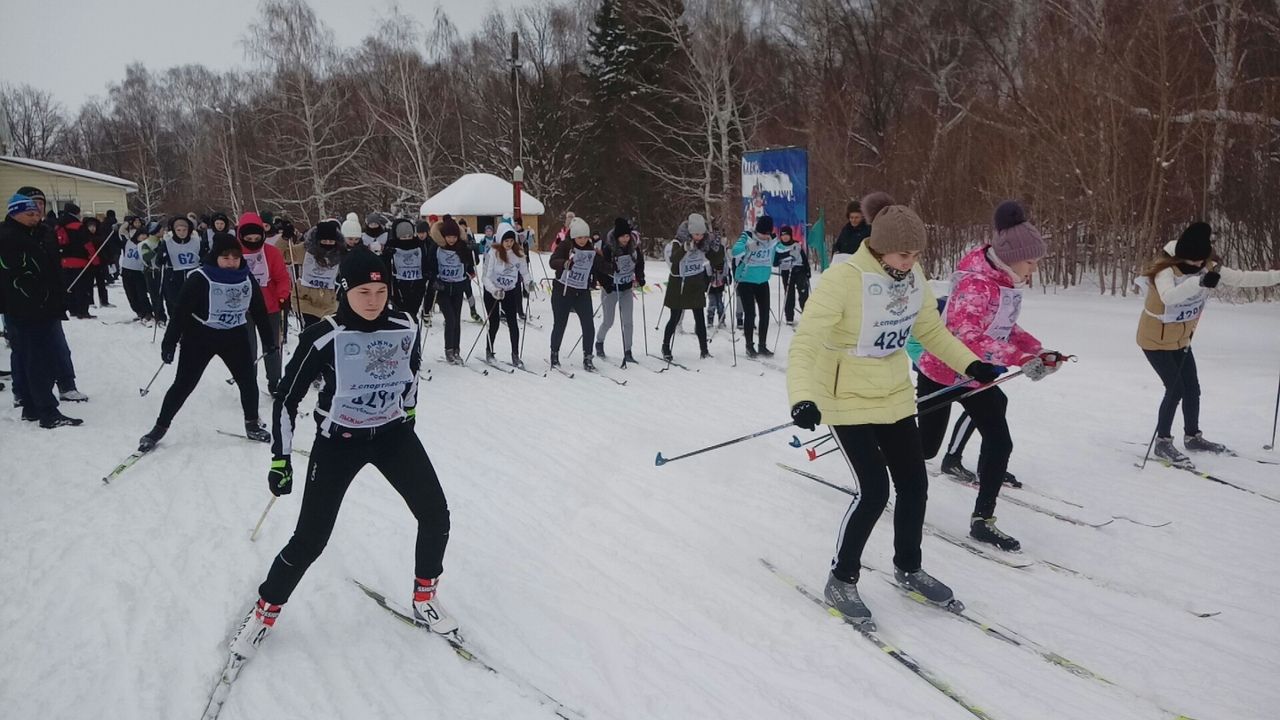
column 875, row 202
column 621, row 227
column 250, row 224
column 423, row 226
column 222, row 244
column 897, row 229
column 764, row 225
column 72, row 209
column 375, row 218
column 853, row 207
column 579, row 228
column 351, row 226
column 403, row 229
column 697, row 224
column 20, row 203
column 784, row 230
column 449, row 227
column 32, row 192
column 1195, row 243
column 1016, row 239
column 328, row 230
column 359, row 267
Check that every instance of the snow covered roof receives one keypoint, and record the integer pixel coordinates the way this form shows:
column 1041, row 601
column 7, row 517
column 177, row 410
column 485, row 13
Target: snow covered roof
column 480, row 194
column 72, row 171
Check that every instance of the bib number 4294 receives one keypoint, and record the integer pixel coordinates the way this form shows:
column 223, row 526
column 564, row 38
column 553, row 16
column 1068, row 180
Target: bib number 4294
column 893, row 339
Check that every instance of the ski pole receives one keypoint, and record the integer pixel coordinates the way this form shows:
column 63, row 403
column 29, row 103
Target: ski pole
column 254, row 536
column 733, row 325
column 143, row 391
column 972, row 392
column 960, row 383
column 660, row 461
column 814, row 454
column 483, row 326
column 86, row 267
column 1274, row 420
column 593, row 320
column 644, row 319
column 795, row 440
column 524, row 330
column 1152, row 443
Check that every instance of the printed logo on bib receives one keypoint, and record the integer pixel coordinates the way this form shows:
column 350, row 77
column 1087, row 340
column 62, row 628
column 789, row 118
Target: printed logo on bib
column 763, row 256
column 450, row 265
column 578, row 276
column 257, row 263
column 228, row 304
column 316, row 276
column 1007, row 313
column 889, row 310
column 408, row 264
column 693, row 263
column 626, row 270
column 507, row 278
column 370, row 375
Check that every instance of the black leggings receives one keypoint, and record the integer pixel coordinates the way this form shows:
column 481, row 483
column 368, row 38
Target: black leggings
column 699, row 322
column 875, row 453
column 272, row 360
column 155, row 291
column 987, row 410
column 752, row 296
column 194, row 356
column 797, row 283
column 79, row 292
column 409, row 294
column 102, row 276
column 135, row 291
column 511, row 308
column 399, row 456
column 561, row 306
column 960, row 434
column 1177, row 370
column 451, row 309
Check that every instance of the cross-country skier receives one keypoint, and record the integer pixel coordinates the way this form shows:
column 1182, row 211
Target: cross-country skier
column 621, row 269
column 405, row 253
column 318, row 279
column 132, row 271
column 506, row 273
column 696, row 255
column 982, row 311
column 266, row 262
column 215, row 306
column 180, row 253
column 365, row 416
column 846, row 368
column 374, row 233
column 755, row 267
column 450, row 267
column 1180, row 282
column 793, row 269
column 153, row 272
column 573, row 262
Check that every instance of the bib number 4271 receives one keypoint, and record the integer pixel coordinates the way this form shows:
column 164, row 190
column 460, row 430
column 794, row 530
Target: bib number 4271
column 893, row 339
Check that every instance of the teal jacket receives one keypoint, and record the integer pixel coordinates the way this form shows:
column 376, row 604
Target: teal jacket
column 756, row 265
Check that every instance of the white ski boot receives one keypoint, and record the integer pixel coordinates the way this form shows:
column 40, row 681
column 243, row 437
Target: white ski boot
column 427, row 610
column 255, row 628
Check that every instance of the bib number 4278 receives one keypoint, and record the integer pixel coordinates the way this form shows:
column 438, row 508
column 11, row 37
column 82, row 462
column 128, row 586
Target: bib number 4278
column 893, row 339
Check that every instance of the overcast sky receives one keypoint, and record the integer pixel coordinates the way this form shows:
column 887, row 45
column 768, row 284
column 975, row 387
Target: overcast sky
column 80, row 46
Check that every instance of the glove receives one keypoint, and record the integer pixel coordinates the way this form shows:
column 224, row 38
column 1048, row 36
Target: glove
column 1038, row 367
column 806, row 414
column 280, row 477
column 498, row 294
column 166, row 355
column 1210, row 279
column 411, row 415
column 984, row 372
column 529, row 287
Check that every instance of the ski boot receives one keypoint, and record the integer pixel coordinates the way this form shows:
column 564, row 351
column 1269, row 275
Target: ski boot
column 703, row 353
column 555, row 359
column 751, row 351
column 985, row 530
column 764, row 350
column 844, row 597
column 515, row 360
column 628, row 358
column 55, row 419
column 73, row 395
column 488, row 355
column 929, row 587
column 475, row 317
column 1165, row 450
column 254, row 629
column 256, row 431
column 600, row 350
column 453, row 357
column 1197, row 443
column 587, row 364
column 952, row 466
column 149, row 441
column 1011, row 480
column 666, row 353
column 427, row 610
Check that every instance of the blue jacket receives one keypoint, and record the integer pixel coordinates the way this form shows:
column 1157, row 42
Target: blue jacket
column 755, row 266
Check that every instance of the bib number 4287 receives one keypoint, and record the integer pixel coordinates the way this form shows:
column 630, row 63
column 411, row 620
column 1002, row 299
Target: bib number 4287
column 893, row 339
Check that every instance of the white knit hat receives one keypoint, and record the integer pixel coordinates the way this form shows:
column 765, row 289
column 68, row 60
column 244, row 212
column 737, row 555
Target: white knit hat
column 579, row 228
column 351, row 226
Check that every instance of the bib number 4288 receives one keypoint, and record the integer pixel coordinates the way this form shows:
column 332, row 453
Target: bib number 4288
column 893, row 339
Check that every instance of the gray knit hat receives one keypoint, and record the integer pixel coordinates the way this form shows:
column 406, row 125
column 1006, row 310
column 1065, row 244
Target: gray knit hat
column 1016, row 239
column 697, row 224
column 897, row 228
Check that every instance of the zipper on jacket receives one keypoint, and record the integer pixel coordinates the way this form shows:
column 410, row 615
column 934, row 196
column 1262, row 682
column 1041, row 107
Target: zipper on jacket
column 835, row 387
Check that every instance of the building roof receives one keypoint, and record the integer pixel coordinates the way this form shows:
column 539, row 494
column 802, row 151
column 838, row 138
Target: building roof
column 480, row 194
column 72, row 171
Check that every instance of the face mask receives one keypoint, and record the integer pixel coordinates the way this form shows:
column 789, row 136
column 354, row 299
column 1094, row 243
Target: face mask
column 895, row 273
column 373, row 230
column 1189, row 269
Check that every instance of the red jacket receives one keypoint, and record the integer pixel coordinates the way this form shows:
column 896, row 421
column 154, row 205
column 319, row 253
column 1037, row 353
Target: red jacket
column 74, row 243
column 267, row 266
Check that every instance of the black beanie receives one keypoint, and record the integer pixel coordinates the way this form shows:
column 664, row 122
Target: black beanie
column 222, row 244
column 424, row 226
column 70, row 208
column 329, row 230
column 1195, row 243
column 764, row 225
column 361, row 266
column 621, row 227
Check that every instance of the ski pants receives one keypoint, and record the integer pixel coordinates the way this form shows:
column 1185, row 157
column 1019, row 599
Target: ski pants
column 102, row 278
column 64, row 371
column 699, row 327
column 797, row 284
column 987, row 410
column 409, row 295
column 621, row 300
column 79, row 292
column 173, row 280
column 561, row 305
column 451, row 309
column 194, row 354
column 511, row 306
column 155, row 291
column 960, row 434
column 398, row 454
column 754, row 296
column 135, row 290
column 1177, row 370
column 875, row 454
column 35, row 350
column 271, row 360
column 715, row 304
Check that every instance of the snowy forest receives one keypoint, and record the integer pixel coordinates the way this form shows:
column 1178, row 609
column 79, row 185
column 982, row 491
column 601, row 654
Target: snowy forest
column 1116, row 121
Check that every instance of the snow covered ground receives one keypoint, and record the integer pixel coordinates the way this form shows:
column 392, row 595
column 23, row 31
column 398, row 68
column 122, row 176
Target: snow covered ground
column 634, row 592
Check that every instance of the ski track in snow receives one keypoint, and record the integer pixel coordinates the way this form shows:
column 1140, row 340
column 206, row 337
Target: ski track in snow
column 628, row 591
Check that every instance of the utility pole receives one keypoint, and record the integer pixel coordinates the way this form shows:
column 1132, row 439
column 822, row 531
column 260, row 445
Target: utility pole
column 515, row 99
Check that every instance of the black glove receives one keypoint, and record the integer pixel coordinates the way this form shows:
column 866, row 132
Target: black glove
column 1210, row 279
column 166, row 354
column 280, row 477
column 806, row 414
column 984, row 372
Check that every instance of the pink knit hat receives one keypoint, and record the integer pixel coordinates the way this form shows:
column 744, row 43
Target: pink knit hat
column 1016, row 239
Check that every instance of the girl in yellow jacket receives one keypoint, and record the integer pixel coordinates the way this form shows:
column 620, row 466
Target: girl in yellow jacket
column 1180, row 281
column 847, row 368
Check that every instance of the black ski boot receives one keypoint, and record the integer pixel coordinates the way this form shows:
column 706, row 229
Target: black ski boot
column 587, row 364
column 151, row 439
column 488, row 355
column 764, row 349
column 751, row 351
column 515, row 360
column 1011, row 481
column 952, row 466
column 1197, row 443
column 844, row 597
column 628, row 358
column 55, row 419
column 600, row 350
column 985, row 530
column 666, row 353
column 256, row 431
column 704, row 353
column 475, row 317
column 929, row 587
column 555, row 359
column 1165, row 450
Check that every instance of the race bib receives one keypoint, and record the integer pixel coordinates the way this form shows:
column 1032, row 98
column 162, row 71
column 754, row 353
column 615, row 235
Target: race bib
column 450, row 267
column 507, row 277
column 408, row 264
column 131, row 259
column 1006, row 315
column 315, row 275
column 257, row 263
column 693, row 263
column 578, row 276
column 788, row 259
column 889, row 310
column 1188, row 309
column 761, row 257
column 626, row 273
column 183, row 256
column 228, row 304
column 370, row 374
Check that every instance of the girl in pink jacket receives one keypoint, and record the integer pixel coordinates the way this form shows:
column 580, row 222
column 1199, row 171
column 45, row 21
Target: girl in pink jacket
column 986, row 299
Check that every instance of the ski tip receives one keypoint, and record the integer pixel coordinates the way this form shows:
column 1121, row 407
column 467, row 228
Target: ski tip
column 795, row 441
column 659, row 460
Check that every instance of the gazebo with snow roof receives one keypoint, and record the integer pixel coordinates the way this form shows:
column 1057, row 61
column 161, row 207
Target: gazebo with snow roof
column 483, row 199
